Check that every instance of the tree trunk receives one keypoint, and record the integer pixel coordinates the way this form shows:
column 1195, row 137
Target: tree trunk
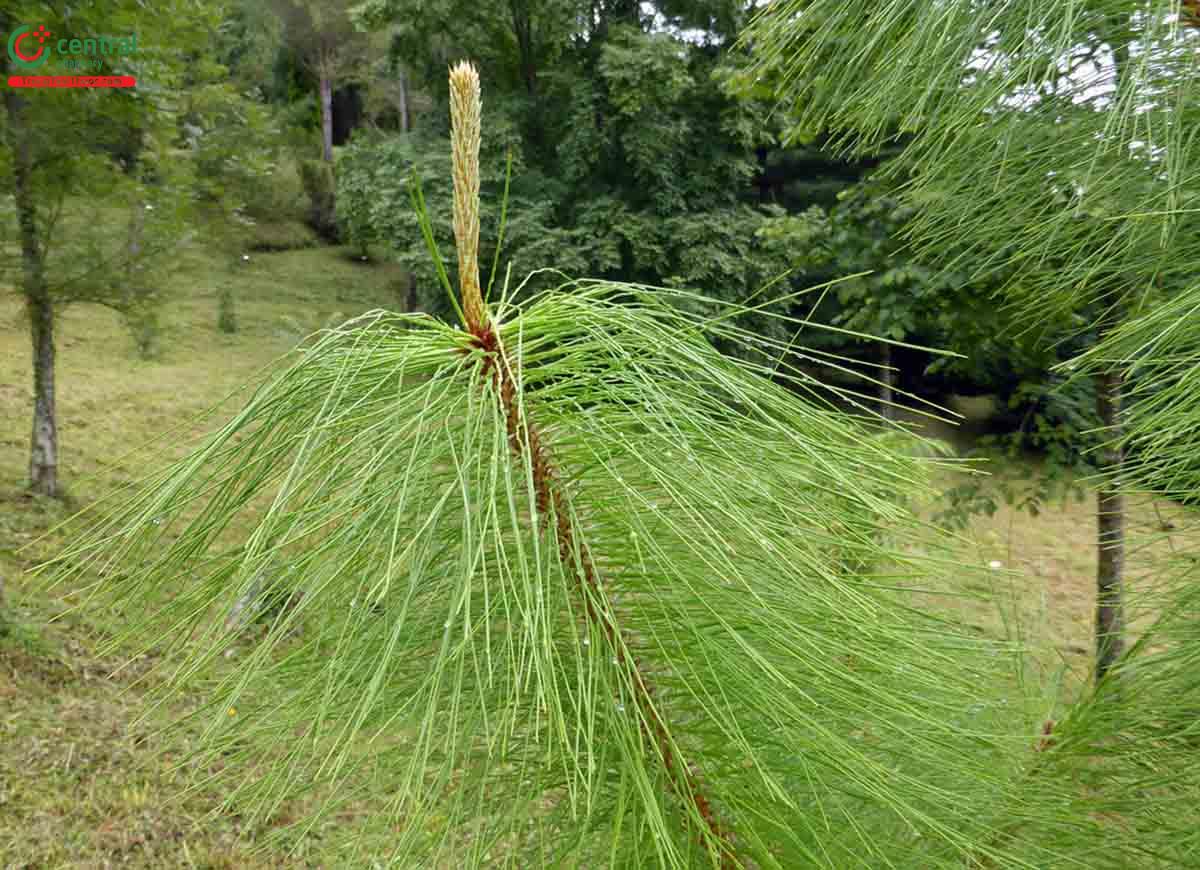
column 403, row 103
column 762, row 182
column 887, row 385
column 522, row 25
column 43, row 446
column 138, row 307
column 1110, row 505
column 412, row 301
column 326, row 116
column 1110, row 515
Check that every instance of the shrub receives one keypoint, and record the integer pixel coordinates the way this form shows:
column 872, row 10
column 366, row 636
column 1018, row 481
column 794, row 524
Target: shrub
column 316, row 177
column 281, row 235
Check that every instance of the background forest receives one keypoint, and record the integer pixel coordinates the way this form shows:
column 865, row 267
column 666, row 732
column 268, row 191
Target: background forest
column 910, row 287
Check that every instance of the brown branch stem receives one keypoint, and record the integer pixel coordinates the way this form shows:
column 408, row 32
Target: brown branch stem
column 525, row 439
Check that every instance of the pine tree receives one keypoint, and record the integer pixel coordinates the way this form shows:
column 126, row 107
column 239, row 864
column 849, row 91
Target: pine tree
column 564, row 585
column 1048, row 141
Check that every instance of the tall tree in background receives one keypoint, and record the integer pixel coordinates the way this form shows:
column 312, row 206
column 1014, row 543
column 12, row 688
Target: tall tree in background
column 1050, row 142
column 327, row 42
column 20, row 130
column 65, row 145
column 629, row 162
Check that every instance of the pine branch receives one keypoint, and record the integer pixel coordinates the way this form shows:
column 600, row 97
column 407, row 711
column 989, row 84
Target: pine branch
column 576, row 589
column 528, row 444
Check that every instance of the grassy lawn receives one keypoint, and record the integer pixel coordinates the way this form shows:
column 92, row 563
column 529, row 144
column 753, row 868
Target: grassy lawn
column 83, row 783
column 1044, row 569
column 77, row 786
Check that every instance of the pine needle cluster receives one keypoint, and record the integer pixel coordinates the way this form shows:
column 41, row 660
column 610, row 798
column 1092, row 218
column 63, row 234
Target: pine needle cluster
column 1054, row 144
column 563, row 585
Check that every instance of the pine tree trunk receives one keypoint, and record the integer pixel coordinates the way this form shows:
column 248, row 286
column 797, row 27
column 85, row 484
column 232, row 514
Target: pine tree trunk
column 1110, row 505
column 326, row 117
column 1110, row 514
column 43, row 444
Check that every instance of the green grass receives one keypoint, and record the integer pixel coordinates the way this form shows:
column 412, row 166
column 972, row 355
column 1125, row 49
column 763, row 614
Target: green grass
column 79, row 786
column 1043, row 569
column 83, row 782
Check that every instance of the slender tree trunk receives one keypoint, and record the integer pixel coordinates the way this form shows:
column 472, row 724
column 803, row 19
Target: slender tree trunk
column 1110, row 514
column 43, row 446
column 137, row 306
column 761, row 182
column 326, row 115
column 403, row 103
column 1110, row 504
column 412, row 302
column 887, row 385
column 43, row 450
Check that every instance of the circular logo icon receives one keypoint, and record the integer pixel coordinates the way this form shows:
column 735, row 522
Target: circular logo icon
column 27, row 47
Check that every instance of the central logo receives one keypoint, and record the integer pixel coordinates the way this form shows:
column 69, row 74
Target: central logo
column 27, row 47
